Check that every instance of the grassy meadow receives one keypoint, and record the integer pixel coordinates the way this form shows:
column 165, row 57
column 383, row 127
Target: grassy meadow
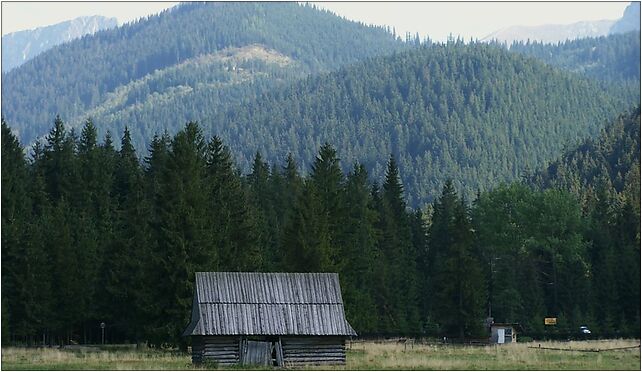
column 518, row 356
column 361, row 356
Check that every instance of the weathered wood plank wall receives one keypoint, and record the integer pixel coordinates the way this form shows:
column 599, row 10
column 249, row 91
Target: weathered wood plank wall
column 256, row 353
column 313, row 350
column 197, row 349
column 220, row 350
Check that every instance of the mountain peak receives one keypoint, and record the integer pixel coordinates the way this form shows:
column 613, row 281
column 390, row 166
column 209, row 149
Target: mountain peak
column 21, row 46
column 630, row 21
column 554, row 33
column 551, row 33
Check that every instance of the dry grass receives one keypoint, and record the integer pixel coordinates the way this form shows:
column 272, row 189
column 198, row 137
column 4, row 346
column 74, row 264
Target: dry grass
column 369, row 355
column 62, row 359
column 361, row 356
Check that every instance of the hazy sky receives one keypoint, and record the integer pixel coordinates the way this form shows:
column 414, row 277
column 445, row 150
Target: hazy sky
column 437, row 20
column 474, row 19
column 19, row 15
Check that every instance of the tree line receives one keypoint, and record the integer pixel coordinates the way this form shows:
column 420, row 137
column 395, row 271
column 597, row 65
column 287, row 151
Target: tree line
column 92, row 234
column 608, row 58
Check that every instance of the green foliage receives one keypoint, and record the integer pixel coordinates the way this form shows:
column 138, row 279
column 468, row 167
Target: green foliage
column 307, row 237
column 473, row 113
column 604, row 174
column 233, row 229
column 455, row 111
column 25, row 283
column 609, row 58
column 358, row 244
column 567, row 248
column 76, row 78
column 182, row 234
column 457, row 282
column 612, row 157
column 535, row 252
column 92, row 235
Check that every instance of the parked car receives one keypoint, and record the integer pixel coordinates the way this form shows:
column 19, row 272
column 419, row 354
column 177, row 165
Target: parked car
column 584, row 330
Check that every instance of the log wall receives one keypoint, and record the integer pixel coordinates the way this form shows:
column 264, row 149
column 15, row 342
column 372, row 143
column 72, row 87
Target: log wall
column 313, row 350
column 215, row 349
column 291, row 351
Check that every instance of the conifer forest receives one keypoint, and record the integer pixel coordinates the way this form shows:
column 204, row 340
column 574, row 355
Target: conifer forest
column 445, row 183
column 121, row 238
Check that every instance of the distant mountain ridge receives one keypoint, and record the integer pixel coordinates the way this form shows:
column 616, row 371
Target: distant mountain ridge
column 630, row 21
column 21, row 46
column 554, row 33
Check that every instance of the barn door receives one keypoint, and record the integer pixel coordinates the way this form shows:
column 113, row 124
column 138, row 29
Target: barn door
column 256, row 353
column 278, row 351
column 500, row 335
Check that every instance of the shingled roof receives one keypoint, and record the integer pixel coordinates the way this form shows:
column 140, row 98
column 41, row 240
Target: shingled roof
column 268, row 304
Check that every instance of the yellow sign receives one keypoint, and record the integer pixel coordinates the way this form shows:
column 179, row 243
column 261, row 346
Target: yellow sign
column 550, row 321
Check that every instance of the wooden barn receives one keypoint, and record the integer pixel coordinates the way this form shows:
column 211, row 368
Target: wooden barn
column 280, row 319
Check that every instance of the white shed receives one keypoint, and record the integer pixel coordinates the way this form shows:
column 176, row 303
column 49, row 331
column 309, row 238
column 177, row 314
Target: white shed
column 503, row 333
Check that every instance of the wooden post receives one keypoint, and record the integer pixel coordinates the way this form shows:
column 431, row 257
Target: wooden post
column 102, row 328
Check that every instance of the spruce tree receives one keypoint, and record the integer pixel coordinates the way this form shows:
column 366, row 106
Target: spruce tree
column 399, row 254
column 156, row 164
column 306, row 236
column 93, row 205
column 602, row 255
column 128, row 257
column 59, row 169
column 357, row 242
column 327, row 179
column 66, row 272
column 458, row 280
column 261, row 208
column 288, row 185
column 233, row 233
column 183, row 240
column 25, row 282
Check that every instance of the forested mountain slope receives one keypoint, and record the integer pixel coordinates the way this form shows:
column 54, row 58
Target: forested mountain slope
column 608, row 58
column 474, row 113
column 200, row 94
column 612, row 159
column 191, row 90
column 76, row 77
